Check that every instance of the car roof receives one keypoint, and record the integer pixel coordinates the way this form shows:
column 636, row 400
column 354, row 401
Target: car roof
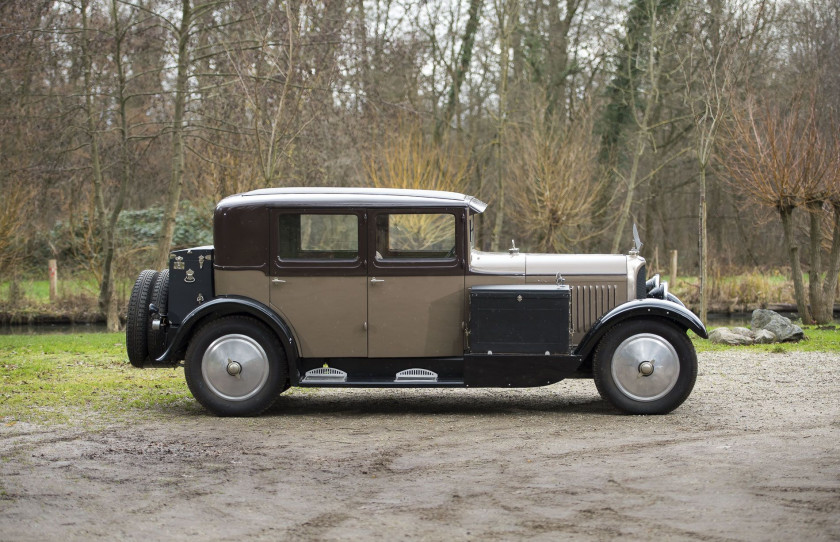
column 326, row 197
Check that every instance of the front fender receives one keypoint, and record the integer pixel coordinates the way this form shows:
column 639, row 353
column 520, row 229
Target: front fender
column 640, row 308
column 225, row 306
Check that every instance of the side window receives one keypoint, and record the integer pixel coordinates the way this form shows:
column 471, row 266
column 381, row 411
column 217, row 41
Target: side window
column 317, row 237
column 411, row 236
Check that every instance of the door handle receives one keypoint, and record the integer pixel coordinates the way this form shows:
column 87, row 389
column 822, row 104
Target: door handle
column 278, row 281
column 375, row 280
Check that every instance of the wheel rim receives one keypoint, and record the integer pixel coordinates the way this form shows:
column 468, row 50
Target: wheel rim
column 645, row 367
column 235, row 367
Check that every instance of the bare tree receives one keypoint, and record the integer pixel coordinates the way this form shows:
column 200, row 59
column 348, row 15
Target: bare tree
column 781, row 158
column 643, row 104
column 717, row 54
column 405, row 158
column 556, row 181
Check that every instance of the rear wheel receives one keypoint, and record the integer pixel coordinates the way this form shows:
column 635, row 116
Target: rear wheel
column 645, row 367
column 137, row 323
column 235, row 366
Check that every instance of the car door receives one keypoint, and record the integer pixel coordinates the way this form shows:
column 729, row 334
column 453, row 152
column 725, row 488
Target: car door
column 416, row 283
column 319, row 279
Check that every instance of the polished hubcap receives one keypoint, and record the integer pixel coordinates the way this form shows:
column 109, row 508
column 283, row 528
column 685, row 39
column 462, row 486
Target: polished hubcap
column 645, row 367
column 235, row 367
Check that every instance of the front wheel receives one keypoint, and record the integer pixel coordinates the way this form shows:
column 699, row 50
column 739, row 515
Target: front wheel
column 645, row 367
column 235, row 366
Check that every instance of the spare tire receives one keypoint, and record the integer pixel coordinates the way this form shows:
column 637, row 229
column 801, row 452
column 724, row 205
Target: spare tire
column 160, row 298
column 137, row 322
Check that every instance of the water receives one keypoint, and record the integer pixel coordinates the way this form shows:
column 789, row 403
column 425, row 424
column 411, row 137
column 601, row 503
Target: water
column 52, row 329
column 715, row 320
column 740, row 319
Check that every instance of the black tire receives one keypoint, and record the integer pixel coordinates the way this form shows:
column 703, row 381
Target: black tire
column 137, row 321
column 621, row 372
column 221, row 347
column 160, row 298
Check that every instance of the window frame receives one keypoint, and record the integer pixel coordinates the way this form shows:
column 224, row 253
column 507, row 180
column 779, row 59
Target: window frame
column 418, row 266
column 318, row 267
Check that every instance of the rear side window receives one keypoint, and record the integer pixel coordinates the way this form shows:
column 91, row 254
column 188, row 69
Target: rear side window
column 415, row 236
column 318, row 237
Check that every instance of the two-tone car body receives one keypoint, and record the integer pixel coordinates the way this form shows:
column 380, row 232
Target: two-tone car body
column 354, row 287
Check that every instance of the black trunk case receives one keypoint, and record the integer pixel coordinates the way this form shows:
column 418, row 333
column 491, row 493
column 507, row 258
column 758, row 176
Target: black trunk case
column 190, row 281
column 520, row 319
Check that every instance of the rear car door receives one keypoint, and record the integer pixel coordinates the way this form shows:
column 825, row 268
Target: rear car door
column 319, row 279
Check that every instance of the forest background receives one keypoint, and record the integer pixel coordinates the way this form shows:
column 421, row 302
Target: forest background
column 712, row 125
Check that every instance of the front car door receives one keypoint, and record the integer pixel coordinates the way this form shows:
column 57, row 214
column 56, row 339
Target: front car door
column 319, row 279
column 416, row 283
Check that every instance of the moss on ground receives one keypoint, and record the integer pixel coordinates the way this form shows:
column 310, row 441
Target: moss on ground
column 65, row 378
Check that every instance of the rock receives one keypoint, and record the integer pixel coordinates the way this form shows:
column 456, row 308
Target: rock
column 762, row 336
column 724, row 335
column 743, row 331
column 777, row 324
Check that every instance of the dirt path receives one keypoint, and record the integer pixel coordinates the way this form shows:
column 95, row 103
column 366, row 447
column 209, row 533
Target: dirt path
column 752, row 455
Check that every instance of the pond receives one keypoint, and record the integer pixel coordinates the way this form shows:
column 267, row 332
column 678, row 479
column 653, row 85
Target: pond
column 51, row 329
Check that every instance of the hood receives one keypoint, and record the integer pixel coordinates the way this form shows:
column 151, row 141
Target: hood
column 548, row 264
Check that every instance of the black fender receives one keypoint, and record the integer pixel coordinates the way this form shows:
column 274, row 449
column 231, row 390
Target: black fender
column 225, row 306
column 640, row 308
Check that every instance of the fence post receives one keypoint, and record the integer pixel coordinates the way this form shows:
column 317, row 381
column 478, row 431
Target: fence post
column 53, row 265
column 673, row 281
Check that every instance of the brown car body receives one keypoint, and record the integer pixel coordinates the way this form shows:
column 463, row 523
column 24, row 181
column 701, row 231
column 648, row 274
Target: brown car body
column 376, row 287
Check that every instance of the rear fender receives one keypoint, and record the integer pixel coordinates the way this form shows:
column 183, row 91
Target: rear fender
column 640, row 308
column 227, row 306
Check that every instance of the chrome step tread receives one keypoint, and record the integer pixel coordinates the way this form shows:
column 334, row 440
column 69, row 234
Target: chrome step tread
column 324, row 374
column 416, row 375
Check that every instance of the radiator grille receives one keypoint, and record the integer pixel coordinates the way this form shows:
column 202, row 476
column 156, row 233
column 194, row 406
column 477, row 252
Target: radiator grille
column 590, row 302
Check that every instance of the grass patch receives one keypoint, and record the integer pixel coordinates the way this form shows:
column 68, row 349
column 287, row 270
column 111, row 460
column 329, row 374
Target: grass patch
column 737, row 291
column 816, row 340
column 68, row 378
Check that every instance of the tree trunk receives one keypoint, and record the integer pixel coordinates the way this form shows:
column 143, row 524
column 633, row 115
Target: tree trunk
column 105, row 287
column 505, row 31
column 703, row 240
column 786, row 214
column 176, row 180
column 815, row 275
column 624, row 213
column 109, row 241
column 829, row 290
column 464, row 59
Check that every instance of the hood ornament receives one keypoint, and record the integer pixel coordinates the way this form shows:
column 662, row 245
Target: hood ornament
column 637, row 242
column 513, row 250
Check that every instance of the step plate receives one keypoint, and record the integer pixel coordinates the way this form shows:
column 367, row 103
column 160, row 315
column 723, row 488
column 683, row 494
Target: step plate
column 323, row 375
column 416, row 375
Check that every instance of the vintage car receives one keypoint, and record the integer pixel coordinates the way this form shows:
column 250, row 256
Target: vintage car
column 357, row 287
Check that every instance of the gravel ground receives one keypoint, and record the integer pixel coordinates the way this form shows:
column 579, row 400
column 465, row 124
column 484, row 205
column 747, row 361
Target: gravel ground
column 752, row 455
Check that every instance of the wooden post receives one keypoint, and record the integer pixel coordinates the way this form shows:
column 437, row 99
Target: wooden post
column 655, row 260
column 53, row 265
column 673, row 281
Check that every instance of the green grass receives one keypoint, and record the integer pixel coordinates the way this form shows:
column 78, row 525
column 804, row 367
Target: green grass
column 38, row 291
column 816, row 340
column 71, row 378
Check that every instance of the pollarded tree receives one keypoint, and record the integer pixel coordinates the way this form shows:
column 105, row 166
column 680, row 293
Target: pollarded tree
column 783, row 158
column 556, row 181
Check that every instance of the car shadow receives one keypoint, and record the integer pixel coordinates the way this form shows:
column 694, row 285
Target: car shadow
column 377, row 402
